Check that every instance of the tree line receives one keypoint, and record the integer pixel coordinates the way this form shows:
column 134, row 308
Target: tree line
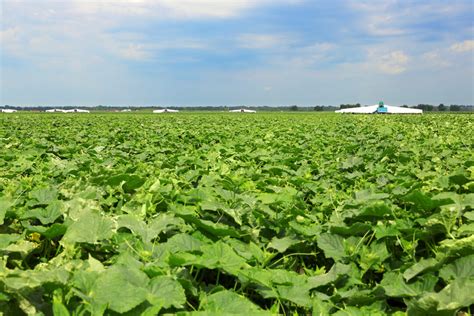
column 425, row 107
column 292, row 108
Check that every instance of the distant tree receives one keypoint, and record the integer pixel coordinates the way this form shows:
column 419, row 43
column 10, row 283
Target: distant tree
column 347, row 106
column 404, row 106
column 425, row 107
column 442, row 108
column 454, row 108
column 319, row 108
column 294, row 108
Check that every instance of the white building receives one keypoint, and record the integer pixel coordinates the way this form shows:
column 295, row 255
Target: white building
column 126, row 110
column 380, row 108
column 55, row 110
column 8, row 110
column 243, row 111
column 165, row 111
column 76, row 111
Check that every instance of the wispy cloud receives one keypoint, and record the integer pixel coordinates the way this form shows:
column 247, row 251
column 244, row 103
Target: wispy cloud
column 263, row 41
column 395, row 18
column 315, row 53
column 135, row 52
column 172, row 9
column 392, row 63
column 435, row 59
column 464, row 46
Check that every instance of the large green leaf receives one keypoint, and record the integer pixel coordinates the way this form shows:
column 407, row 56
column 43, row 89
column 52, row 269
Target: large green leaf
column 332, row 245
column 48, row 214
column 217, row 255
column 459, row 269
column 120, row 288
column 166, row 292
column 90, row 227
column 282, row 244
column 228, row 302
column 419, row 267
column 455, row 295
column 395, row 286
column 5, row 204
column 128, row 182
column 44, row 195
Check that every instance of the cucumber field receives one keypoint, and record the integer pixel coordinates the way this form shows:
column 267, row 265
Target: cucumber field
column 235, row 213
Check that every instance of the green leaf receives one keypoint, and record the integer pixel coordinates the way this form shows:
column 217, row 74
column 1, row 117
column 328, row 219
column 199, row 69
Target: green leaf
column 6, row 239
column 332, row 245
column 466, row 229
column 166, row 292
column 385, row 230
column 421, row 201
column 278, row 283
column 46, row 215
column 469, row 215
column 419, row 267
column 90, row 227
column 374, row 209
column 282, row 244
column 456, row 294
column 44, row 195
column 459, row 269
column 218, row 255
column 367, row 195
column 120, row 288
column 216, row 229
column 337, row 270
column 5, row 205
column 395, row 286
column 320, row 308
column 459, row 247
column 183, row 243
column 23, row 247
column 129, row 182
column 49, row 232
column 373, row 255
column 357, row 229
column 360, row 311
column 58, row 307
column 228, row 302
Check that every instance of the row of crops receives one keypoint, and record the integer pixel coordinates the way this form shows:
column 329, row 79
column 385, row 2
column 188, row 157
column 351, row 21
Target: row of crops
column 226, row 214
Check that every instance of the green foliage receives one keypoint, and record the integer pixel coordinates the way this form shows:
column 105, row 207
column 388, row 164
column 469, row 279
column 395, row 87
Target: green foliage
column 291, row 214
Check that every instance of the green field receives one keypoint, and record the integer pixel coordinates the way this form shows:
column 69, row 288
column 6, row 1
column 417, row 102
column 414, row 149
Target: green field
column 219, row 213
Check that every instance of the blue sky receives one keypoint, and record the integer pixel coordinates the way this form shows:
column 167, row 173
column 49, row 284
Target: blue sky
column 236, row 52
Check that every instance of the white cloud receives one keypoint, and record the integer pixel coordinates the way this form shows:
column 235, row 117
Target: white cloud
column 9, row 34
column 310, row 55
column 135, row 52
column 435, row 58
column 74, row 27
column 461, row 47
column 383, row 25
column 262, row 41
column 378, row 18
column 396, row 18
column 10, row 40
column 392, row 63
column 176, row 9
column 136, row 47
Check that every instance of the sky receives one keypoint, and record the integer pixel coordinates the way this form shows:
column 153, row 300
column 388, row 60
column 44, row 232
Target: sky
column 236, row 52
